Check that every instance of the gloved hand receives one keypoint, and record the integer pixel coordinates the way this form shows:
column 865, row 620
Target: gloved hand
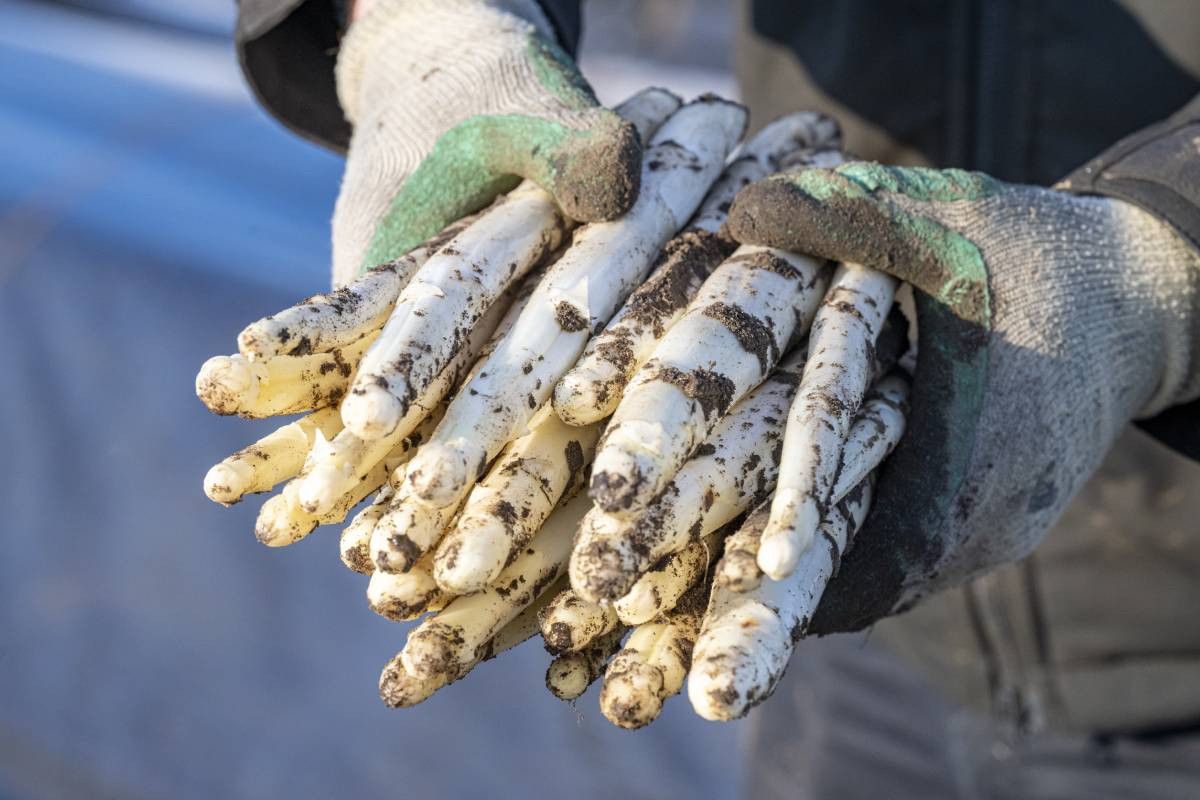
column 451, row 101
column 1047, row 321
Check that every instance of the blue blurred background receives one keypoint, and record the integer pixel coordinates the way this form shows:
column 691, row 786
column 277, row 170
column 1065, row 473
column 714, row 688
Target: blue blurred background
column 149, row 647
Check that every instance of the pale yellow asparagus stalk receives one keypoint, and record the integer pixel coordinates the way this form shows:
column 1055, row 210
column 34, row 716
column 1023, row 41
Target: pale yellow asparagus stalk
column 401, row 596
column 747, row 637
column 738, row 569
column 278, row 385
column 355, row 543
column 653, row 664
column 569, row 623
column 282, row 521
column 840, row 361
column 659, row 589
column 505, row 510
column 399, row 689
column 450, row 639
column 877, row 428
column 570, row 674
column 729, row 339
column 337, row 464
column 407, row 528
column 735, row 468
column 335, row 319
column 274, row 458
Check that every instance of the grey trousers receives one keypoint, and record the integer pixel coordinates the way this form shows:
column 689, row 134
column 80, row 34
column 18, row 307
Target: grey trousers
column 851, row 721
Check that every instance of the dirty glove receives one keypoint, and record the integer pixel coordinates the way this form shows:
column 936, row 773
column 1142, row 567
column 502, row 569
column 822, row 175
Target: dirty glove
column 451, row 101
column 1047, row 321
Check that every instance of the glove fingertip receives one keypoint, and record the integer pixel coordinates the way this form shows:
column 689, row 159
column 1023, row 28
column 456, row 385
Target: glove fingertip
column 598, row 178
column 816, row 212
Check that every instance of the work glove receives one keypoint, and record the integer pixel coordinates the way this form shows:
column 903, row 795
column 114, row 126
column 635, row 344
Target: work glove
column 1047, row 321
column 452, row 102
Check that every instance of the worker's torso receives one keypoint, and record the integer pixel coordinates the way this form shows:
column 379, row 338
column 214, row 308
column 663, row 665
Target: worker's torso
column 1097, row 631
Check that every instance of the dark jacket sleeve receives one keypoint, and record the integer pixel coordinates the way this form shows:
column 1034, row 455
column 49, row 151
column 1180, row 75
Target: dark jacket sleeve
column 1158, row 169
column 288, row 48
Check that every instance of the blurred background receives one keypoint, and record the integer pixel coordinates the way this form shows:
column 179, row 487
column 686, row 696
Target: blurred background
column 149, row 647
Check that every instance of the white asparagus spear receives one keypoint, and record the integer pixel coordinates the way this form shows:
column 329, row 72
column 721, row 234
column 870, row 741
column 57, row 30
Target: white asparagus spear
column 732, row 471
column 659, row 589
column 328, row 321
column 509, row 505
column 877, row 428
column 274, row 458
column 569, row 623
column 281, row 520
column 653, row 664
column 448, row 293
column 408, row 530
column 336, row 465
column 839, row 367
column 591, row 390
column 401, row 596
column 570, row 674
column 279, row 385
column 738, row 571
column 728, row 340
column 605, row 261
column 355, row 543
column 394, row 556
column 443, row 302
column 747, row 637
column 445, row 642
column 398, row 689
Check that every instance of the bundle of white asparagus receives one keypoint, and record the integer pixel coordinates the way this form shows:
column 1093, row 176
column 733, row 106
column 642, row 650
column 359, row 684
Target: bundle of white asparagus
column 723, row 405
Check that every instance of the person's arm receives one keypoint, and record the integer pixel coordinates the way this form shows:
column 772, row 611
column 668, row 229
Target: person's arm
column 287, row 50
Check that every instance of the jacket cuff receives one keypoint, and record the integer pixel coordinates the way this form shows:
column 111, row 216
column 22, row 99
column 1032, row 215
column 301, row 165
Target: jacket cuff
column 287, row 50
column 1157, row 169
column 566, row 17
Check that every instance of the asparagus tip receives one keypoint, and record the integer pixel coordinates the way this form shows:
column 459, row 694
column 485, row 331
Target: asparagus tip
column 429, row 653
column 738, row 571
column 713, row 695
column 399, row 596
column 440, row 470
column 225, row 383
column 356, row 555
column 566, row 679
column 468, row 563
column 398, row 689
column 225, row 483
column 782, row 545
column 371, row 411
column 602, row 571
column 631, row 697
column 579, row 400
